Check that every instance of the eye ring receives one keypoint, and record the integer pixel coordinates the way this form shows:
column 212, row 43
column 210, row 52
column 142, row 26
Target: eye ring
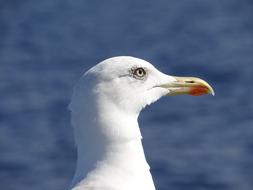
column 139, row 73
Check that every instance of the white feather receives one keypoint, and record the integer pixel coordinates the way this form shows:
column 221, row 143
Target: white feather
column 105, row 107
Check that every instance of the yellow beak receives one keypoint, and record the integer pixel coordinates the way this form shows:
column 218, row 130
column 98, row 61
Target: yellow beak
column 188, row 85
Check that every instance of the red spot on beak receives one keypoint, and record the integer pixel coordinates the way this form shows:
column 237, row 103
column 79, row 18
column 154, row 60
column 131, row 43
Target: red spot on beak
column 198, row 90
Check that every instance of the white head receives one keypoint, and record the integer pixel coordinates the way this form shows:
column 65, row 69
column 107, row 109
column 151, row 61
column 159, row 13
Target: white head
column 130, row 83
column 122, row 86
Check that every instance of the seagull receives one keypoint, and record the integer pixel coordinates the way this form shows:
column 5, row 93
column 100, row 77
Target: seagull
column 105, row 106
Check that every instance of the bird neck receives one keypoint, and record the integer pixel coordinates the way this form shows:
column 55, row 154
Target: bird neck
column 107, row 139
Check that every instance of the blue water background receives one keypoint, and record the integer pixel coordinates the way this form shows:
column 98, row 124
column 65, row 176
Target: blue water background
column 191, row 143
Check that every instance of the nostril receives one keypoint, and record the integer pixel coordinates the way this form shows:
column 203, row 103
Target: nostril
column 189, row 81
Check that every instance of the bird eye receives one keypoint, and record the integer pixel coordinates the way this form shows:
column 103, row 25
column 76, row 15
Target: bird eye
column 139, row 73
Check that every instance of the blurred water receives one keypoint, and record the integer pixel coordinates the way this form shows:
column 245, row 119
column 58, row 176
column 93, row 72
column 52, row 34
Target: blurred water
column 191, row 143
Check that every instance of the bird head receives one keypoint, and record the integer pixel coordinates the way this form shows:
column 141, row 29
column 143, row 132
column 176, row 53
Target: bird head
column 130, row 83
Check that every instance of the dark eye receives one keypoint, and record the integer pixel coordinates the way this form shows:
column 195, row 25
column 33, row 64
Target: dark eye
column 139, row 73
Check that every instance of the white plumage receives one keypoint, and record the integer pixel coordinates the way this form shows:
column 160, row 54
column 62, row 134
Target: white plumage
column 104, row 108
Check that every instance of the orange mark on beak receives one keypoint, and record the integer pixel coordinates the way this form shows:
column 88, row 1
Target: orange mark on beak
column 198, row 90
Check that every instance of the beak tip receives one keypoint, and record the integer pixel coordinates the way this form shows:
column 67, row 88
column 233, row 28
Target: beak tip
column 211, row 91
